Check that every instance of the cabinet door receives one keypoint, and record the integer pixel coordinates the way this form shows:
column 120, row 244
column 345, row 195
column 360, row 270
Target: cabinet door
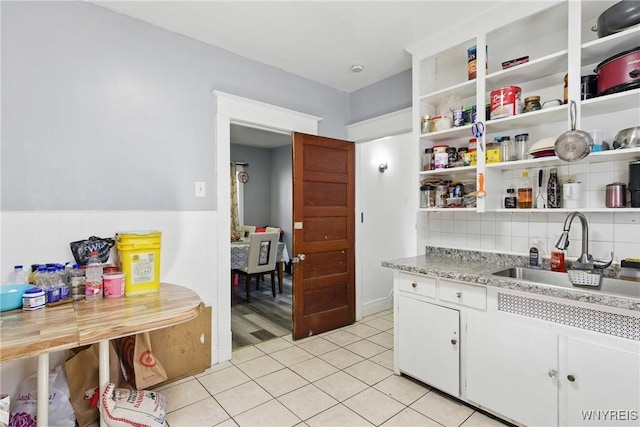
column 602, row 385
column 428, row 343
column 512, row 370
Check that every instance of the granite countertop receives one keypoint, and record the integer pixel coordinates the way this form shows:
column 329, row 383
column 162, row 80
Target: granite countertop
column 477, row 266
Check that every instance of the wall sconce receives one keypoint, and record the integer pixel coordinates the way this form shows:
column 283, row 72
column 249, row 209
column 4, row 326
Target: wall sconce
column 383, row 167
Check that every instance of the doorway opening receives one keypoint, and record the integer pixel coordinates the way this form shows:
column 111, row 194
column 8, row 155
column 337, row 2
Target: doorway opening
column 264, row 199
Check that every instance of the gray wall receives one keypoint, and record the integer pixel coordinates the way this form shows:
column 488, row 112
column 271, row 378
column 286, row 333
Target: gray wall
column 104, row 112
column 268, row 195
column 386, row 96
column 282, row 192
column 257, row 191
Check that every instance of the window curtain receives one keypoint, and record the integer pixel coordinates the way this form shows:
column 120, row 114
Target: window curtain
column 235, row 223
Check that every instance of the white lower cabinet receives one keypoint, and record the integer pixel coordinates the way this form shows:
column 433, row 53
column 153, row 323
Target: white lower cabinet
column 512, row 370
column 602, row 385
column 429, row 337
column 529, row 371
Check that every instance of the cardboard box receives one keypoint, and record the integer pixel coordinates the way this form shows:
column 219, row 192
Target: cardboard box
column 184, row 349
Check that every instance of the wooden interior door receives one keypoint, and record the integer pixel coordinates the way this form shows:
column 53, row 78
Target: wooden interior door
column 323, row 234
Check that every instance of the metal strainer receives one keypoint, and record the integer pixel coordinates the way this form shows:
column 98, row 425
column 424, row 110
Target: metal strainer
column 573, row 145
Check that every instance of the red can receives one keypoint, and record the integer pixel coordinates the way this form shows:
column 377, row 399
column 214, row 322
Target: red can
column 506, row 101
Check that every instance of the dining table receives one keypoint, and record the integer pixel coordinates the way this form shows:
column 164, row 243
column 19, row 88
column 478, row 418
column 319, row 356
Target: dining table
column 240, row 253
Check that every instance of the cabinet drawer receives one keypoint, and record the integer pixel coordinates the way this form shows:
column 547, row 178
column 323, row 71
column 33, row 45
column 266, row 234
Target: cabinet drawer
column 463, row 294
column 417, row 285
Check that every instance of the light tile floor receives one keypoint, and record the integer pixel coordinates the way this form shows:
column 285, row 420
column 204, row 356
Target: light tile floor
column 340, row 378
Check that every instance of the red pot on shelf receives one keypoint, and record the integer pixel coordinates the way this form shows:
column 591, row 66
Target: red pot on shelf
column 619, row 73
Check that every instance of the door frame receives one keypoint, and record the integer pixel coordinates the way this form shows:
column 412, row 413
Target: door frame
column 235, row 109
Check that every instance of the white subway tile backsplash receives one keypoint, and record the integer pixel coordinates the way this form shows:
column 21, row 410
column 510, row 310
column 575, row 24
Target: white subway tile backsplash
column 488, row 242
column 488, row 228
column 516, row 231
column 460, row 240
column 601, row 251
column 474, row 241
column 460, row 227
column 474, row 227
column 503, row 228
column 624, row 250
column 520, row 245
column 447, row 226
column 503, row 243
column 538, row 230
column 520, row 228
column 600, row 232
column 627, row 233
column 600, row 180
column 602, row 167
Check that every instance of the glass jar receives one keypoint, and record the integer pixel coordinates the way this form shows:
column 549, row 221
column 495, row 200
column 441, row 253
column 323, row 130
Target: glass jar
column 428, row 196
column 427, row 159
column 521, row 146
column 452, row 156
column 441, row 158
column 424, row 124
column 462, row 151
column 532, row 103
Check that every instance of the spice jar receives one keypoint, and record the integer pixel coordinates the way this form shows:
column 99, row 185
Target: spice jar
column 532, row 103
column 466, row 161
column 452, row 156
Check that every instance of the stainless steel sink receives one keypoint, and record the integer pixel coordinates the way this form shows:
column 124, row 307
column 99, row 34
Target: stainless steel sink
column 627, row 288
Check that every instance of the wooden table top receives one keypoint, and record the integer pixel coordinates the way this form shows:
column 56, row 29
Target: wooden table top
column 31, row 333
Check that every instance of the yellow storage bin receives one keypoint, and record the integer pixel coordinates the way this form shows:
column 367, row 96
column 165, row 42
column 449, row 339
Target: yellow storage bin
column 139, row 260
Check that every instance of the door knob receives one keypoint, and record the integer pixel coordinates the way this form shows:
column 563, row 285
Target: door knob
column 414, row 285
column 571, row 378
column 552, row 373
column 301, row 257
column 454, row 341
column 297, row 259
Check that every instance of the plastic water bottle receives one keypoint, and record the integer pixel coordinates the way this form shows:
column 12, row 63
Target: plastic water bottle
column 53, row 291
column 17, row 276
column 93, row 280
column 61, row 284
column 41, row 280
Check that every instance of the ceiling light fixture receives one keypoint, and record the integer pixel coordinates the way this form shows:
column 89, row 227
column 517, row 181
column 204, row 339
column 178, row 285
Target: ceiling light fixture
column 357, row 68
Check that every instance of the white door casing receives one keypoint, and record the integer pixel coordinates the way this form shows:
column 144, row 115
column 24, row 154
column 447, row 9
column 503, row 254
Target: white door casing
column 228, row 109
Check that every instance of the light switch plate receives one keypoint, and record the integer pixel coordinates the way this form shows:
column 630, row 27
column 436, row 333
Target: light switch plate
column 201, row 190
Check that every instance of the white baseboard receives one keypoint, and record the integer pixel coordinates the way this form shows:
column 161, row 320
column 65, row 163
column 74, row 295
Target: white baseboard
column 376, row 306
column 222, row 352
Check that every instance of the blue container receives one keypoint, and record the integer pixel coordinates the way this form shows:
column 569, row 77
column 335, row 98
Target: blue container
column 11, row 296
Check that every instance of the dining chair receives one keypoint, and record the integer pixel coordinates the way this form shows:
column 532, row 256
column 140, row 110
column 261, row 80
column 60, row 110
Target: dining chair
column 263, row 248
column 273, row 230
column 247, row 230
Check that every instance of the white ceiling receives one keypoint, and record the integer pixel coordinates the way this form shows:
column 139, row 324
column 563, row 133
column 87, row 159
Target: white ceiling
column 318, row 40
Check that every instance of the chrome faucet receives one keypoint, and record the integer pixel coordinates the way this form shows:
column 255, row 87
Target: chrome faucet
column 585, row 260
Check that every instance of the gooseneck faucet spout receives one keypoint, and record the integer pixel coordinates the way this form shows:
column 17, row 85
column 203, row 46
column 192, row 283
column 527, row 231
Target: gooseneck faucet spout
column 563, row 242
